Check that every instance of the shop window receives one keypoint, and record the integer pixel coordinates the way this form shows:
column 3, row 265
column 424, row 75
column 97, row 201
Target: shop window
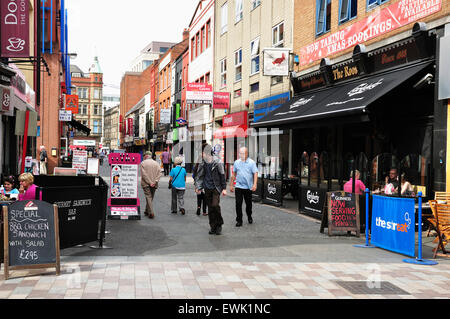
column 238, row 65
column 223, row 72
column 323, row 16
column 278, row 35
column 373, row 3
column 348, row 9
column 224, row 18
column 254, row 49
column 238, row 10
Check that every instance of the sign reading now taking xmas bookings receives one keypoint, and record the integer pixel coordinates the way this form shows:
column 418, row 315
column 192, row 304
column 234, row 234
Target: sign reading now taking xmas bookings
column 379, row 22
column 393, row 224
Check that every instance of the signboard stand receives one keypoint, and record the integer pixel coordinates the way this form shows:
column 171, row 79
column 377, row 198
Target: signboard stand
column 124, row 199
column 31, row 236
column 342, row 213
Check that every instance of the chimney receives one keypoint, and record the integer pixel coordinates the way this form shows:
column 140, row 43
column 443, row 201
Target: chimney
column 185, row 34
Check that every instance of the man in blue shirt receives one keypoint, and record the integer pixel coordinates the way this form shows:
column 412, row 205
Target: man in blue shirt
column 245, row 173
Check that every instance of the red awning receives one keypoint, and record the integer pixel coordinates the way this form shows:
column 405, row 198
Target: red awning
column 231, row 131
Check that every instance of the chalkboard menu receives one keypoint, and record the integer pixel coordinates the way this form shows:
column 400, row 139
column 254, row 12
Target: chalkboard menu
column 343, row 212
column 31, row 237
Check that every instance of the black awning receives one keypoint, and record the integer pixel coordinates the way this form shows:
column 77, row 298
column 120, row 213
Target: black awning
column 80, row 127
column 349, row 98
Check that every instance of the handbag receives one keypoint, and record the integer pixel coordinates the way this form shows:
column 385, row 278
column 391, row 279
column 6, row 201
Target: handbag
column 170, row 182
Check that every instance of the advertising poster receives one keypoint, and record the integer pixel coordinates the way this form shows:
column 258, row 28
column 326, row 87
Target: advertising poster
column 79, row 160
column 199, row 93
column 393, row 224
column 124, row 181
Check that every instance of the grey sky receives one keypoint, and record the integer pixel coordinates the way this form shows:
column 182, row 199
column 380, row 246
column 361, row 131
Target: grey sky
column 117, row 30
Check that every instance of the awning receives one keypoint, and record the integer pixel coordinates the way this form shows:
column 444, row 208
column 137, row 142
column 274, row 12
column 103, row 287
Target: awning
column 343, row 99
column 231, row 131
column 79, row 126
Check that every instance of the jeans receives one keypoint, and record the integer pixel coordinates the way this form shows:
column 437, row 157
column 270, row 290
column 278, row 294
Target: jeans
column 243, row 194
column 212, row 198
column 201, row 200
column 177, row 196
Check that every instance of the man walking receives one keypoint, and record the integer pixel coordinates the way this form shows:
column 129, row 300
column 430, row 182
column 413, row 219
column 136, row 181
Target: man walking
column 210, row 177
column 165, row 157
column 245, row 173
column 150, row 175
column 43, row 159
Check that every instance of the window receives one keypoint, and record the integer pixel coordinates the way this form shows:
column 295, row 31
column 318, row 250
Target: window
column 82, row 93
column 224, row 18
column 238, row 64
column 276, row 79
column 278, row 35
column 254, row 87
column 223, row 72
column 254, row 49
column 192, row 48
column 83, row 109
column 374, row 3
column 238, row 93
column 238, row 11
column 96, row 109
column 255, row 3
column 207, row 78
column 208, row 34
column 203, row 44
column 323, row 16
column 197, row 44
column 96, row 93
column 348, row 9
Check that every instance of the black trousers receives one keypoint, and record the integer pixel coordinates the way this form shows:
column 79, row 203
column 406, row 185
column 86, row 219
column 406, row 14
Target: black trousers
column 166, row 169
column 241, row 195
column 212, row 198
column 201, row 201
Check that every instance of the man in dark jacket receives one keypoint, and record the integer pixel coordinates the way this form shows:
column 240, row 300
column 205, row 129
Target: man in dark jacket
column 210, row 177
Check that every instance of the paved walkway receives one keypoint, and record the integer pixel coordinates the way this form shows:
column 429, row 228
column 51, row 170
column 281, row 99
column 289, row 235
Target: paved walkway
column 281, row 255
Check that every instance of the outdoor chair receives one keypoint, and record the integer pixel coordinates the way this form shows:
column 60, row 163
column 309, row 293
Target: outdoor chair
column 439, row 197
column 442, row 227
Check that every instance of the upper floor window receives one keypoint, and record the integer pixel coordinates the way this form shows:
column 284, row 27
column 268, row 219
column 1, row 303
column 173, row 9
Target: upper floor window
column 323, row 16
column 82, row 93
column 238, row 64
column 224, row 18
column 238, row 11
column 278, row 35
column 255, row 3
column 223, row 72
column 254, row 51
column 208, row 34
column 374, row 3
column 348, row 9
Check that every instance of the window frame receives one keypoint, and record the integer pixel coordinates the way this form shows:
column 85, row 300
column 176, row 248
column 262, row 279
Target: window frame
column 255, row 56
column 348, row 16
column 255, row 4
column 324, row 28
column 223, row 72
column 224, row 27
column 374, row 5
column 238, row 4
column 238, row 65
column 279, row 43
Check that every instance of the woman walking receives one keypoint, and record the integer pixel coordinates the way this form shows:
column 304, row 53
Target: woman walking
column 178, row 181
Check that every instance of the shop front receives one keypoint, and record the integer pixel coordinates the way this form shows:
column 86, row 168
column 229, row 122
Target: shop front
column 373, row 112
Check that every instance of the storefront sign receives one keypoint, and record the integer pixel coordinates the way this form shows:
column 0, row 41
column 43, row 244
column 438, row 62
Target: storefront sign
column 345, row 72
column 199, row 93
column 5, row 99
column 79, row 160
column 165, row 116
column 239, row 118
column 221, row 100
column 65, row 116
column 15, row 34
column 380, row 22
column 396, row 55
column 272, row 192
column 84, row 142
column 310, row 82
column 343, row 212
column 312, row 200
column 71, row 103
column 276, row 62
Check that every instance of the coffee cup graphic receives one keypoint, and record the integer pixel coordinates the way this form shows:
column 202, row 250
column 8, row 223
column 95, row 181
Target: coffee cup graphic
column 15, row 44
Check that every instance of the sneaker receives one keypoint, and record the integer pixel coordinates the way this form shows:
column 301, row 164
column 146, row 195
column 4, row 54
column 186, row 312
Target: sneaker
column 174, row 212
column 212, row 232
column 238, row 224
column 198, row 211
column 250, row 220
column 182, row 211
column 219, row 230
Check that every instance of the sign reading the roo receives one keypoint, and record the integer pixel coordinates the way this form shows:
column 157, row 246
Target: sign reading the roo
column 31, row 236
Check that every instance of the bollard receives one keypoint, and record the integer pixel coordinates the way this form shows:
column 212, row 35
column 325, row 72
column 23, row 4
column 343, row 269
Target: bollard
column 367, row 244
column 419, row 260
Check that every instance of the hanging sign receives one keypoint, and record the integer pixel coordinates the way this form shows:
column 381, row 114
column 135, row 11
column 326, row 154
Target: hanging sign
column 221, row 100
column 72, row 103
column 5, row 99
column 276, row 62
column 15, row 26
column 377, row 23
column 31, row 236
column 199, row 93
column 65, row 116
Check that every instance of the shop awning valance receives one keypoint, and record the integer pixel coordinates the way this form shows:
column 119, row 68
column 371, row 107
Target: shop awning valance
column 231, row 131
column 80, row 127
column 349, row 98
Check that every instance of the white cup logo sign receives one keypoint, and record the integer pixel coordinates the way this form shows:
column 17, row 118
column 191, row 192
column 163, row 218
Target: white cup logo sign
column 14, row 28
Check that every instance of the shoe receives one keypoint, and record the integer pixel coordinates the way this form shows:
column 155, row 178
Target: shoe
column 198, row 211
column 238, row 224
column 219, row 230
column 205, row 214
column 145, row 213
column 212, row 232
column 151, row 216
column 174, row 212
column 250, row 220
column 182, row 211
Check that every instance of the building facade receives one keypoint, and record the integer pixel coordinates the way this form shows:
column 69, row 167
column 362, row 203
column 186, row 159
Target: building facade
column 111, row 128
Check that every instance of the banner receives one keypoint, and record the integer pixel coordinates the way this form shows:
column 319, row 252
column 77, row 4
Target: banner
column 221, row 100
column 380, row 22
column 199, row 93
column 15, row 24
column 393, row 224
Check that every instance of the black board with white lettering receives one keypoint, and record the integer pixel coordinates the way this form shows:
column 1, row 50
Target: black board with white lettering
column 272, row 192
column 343, row 212
column 30, row 235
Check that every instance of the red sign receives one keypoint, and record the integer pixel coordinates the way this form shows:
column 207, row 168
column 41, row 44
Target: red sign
column 221, row 100
column 199, row 93
column 15, row 34
column 72, row 103
column 130, row 127
column 380, row 22
column 239, row 118
column 5, row 99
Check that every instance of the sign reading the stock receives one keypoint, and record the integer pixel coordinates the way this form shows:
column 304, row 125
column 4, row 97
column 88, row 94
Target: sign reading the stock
column 343, row 212
column 31, row 236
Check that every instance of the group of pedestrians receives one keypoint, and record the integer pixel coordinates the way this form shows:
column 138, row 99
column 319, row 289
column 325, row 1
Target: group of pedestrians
column 210, row 184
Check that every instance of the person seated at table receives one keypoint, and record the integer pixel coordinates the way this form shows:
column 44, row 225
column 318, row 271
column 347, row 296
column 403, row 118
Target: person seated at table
column 27, row 189
column 391, row 182
column 10, row 185
column 407, row 189
column 359, row 185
